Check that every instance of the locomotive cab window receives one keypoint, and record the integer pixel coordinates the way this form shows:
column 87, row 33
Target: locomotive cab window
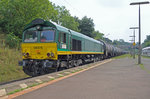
column 62, row 40
column 30, row 36
column 47, row 36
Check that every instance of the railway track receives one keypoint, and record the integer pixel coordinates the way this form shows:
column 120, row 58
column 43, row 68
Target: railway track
column 26, row 78
column 21, row 79
column 12, row 81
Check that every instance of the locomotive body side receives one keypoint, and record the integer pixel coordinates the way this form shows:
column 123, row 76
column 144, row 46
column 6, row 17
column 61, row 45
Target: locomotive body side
column 47, row 46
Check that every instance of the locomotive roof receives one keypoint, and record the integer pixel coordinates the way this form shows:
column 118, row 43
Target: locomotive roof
column 58, row 27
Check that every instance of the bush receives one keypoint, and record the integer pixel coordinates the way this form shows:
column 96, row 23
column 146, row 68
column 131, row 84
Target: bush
column 13, row 41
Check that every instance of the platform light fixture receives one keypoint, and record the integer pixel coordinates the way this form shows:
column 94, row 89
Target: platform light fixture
column 140, row 48
column 133, row 40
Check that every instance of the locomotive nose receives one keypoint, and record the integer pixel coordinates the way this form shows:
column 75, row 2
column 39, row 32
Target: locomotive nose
column 39, row 51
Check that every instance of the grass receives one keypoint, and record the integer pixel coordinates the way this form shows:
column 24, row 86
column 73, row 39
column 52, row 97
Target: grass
column 21, row 89
column 142, row 66
column 122, row 56
column 146, row 57
column 17, row 90
column 9, row 69
column 52, row 78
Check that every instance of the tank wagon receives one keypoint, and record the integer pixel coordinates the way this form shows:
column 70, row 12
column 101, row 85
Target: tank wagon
column 47, row 46
column 110, row 50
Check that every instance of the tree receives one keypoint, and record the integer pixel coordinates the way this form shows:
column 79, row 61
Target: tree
column 97, row 35
column 86, row 26
column 107, row 40
column 15, row 14
column 121, row 40
column 146, row 41
column 147, row 44
column 115, row 42
column 65, row 19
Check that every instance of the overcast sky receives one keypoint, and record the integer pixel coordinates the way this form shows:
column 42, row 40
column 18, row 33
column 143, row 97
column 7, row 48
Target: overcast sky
column 111, row 17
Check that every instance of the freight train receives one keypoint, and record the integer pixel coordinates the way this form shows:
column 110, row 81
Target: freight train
column 48, row 46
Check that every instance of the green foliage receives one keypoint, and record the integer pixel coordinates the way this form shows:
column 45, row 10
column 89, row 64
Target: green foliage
column 147, row 38
column 86, row 26
column 15, row 14
column 122, row 56
column 115, row 42
column 146, row 57
column 13, row 41
column 97, row 35
column 122, row 44
column 146, row 41
column 107, row 40
column 9, row 69
column 65, row 19
column 146, row 44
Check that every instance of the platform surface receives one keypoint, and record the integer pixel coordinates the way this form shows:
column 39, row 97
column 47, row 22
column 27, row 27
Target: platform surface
column 118, row 79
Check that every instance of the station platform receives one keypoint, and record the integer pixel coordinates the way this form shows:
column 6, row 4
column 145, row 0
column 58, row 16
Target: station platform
column 118, row 79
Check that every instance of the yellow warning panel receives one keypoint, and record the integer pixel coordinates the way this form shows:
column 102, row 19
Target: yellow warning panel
column 134, row 43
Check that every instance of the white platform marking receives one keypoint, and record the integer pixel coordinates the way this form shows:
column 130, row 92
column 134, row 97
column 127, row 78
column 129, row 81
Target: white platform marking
column 38, row 80
column 2, row 92
column 23, row 85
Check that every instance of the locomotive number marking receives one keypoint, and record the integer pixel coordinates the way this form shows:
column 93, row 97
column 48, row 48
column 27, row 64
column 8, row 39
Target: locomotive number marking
column 38, row 47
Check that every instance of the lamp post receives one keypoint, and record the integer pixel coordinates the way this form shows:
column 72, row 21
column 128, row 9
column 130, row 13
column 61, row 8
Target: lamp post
column 134, row 40
column 131, row 50
column 140, row 49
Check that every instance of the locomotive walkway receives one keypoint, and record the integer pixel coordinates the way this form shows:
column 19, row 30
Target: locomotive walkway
column 118, row 79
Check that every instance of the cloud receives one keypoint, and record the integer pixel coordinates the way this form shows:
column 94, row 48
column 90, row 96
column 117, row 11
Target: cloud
column 113, row 17
column 111, row 3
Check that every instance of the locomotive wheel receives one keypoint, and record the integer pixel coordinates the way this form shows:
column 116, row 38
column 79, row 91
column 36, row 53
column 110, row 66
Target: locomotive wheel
column 68, row 64
column 74, row 63
column 31, row 70
column 94, row 60
column 57, row 66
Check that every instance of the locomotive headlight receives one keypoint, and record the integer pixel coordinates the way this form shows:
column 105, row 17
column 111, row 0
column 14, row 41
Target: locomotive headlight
column 52, row 54
column 27, row 54
column 48, row 54
column 39, row 27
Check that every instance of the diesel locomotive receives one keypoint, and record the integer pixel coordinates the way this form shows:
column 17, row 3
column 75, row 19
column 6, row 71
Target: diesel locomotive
column 48, row 46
